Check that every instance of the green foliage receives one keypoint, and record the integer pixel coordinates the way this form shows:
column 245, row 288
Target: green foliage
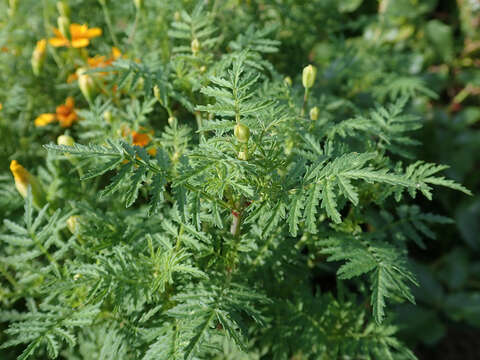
column 166, row 235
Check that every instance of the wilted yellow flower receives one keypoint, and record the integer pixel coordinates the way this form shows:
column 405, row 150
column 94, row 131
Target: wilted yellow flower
column 23, row 179
column 80, row 35
column 38, row 56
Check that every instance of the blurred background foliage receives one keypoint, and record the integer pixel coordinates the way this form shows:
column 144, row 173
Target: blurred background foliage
column 366, row 51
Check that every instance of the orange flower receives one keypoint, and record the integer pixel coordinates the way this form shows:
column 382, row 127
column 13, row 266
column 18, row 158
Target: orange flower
column 98, row 61
column 102, row 61
column 140, row 139
column 65, row 115
column 80, row 35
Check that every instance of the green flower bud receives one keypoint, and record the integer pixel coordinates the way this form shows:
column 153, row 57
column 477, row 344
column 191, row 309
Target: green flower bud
column 12, row 7
column 308, row 76
column 72, row 223
column 66, row 140
column 63, row 26
column 157, row 94
column 172, row 121
column 38, row 56
column 107, row 116
column 242, row 155
column 195, row 45
column 86, row 84
column 314, row 113
column 287, row 81
column 63, row 9
column 138, row 4
column 241, row 132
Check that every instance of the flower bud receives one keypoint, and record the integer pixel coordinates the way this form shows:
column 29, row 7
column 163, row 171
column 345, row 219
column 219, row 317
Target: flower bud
column 63, row 26
column 107, row 116
column 138, row 4
column 308, row 76
column 242, row 155
column 23, row 179
column 72, row 223
column 172, row 121
column 63, row 9
column 157, row 94
column 314, row 113
column 38, row 56
column 287, row 81
column 195, row 45
column 241, row 132
column 86, row 84
column 176, row 16
column 12, row 7
column 66, row 140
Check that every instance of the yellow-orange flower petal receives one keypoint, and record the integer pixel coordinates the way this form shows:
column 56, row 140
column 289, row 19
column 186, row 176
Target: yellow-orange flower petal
column 116, row 53
column 66, row 114
column 152, row 151
column 44, row 119
column 80, row 35
column 80, row 43
column 93, row 32
column 58, row 42
column 140, row 139
column 21, row 176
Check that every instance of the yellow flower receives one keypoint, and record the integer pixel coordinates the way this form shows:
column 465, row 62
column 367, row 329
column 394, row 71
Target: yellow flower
column 65, row 115
column 80, row 36
column 23, row 179
column 44, row 120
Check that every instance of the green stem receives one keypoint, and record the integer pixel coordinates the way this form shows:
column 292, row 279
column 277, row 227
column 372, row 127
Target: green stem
column 46, row 253
column 134, row 30
column 305, row 101
column 9, row 277
column 47, row 32
column 106, row 14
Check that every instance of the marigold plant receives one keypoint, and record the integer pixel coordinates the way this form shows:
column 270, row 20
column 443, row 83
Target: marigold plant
column 253, row 179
